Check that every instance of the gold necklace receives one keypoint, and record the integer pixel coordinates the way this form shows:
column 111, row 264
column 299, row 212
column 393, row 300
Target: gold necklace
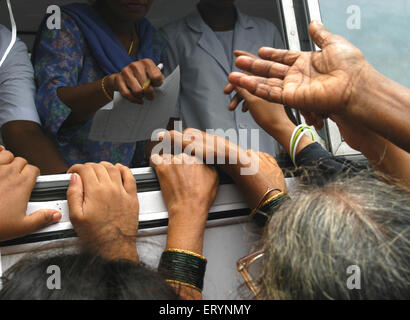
column 131, row 47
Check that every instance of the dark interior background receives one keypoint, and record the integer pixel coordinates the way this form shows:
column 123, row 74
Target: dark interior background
column 29, row 13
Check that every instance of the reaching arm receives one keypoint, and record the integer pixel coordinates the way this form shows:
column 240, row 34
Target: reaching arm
column 189, row 189
column 335, row 81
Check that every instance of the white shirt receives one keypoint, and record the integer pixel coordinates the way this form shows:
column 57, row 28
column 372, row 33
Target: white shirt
column 226, row 40
column 17, row 88
column 205, row 68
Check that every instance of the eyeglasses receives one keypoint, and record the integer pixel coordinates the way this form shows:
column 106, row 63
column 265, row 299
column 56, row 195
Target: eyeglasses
column 243, row 266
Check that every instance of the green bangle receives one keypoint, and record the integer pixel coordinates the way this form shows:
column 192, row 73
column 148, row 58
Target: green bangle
column 183, row 267
column 262, row 215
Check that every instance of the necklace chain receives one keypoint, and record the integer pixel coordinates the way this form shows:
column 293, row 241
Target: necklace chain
column 131, row 47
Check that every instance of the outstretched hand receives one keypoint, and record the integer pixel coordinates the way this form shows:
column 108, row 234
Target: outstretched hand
column 319, row 84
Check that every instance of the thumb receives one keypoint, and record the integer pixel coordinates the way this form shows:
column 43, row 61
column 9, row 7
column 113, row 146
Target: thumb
column 75, row 196
column 40, row 219
column 320, row 35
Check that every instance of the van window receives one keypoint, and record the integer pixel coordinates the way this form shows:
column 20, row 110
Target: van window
column 379, row 28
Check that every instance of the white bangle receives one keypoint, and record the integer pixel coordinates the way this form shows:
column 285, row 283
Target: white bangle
column 296, row 137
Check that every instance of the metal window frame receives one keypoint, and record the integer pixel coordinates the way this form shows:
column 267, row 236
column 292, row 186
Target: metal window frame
column 294, row 43
column 337, row 145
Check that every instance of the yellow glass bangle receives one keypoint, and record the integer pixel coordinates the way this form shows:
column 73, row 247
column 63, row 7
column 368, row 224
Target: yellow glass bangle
column 186, row 252
column 104, row 90
column 183, row 284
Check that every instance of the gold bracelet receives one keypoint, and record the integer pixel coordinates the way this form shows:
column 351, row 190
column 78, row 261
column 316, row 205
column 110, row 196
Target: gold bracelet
column 186, row 252
column 183, row 284
column 272, row 198
column 104, row 90
column 261, row 202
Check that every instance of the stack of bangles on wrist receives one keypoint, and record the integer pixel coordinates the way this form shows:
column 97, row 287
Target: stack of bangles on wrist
column 183, row 267
column 268, row 206
column 295, row 139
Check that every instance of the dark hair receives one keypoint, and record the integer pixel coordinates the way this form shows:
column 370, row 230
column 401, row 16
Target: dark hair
column 84, row 276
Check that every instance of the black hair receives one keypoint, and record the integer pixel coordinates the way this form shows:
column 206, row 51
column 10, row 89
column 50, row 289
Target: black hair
column 84, row 276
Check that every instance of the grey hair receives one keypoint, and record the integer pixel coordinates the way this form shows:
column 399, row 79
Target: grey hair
column 313, row 239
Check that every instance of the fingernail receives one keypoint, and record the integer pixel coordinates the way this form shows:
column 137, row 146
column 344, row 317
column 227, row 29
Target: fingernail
column 74, row 178
column 1, row 148
column 317, row 22
column 56, row 217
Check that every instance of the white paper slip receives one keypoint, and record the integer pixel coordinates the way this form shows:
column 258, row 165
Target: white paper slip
column 127, row 122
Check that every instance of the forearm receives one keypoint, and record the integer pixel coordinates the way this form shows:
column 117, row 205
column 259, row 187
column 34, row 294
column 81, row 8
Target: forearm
column 26, row 139
column 186, row 235
column 85, row 100
column 383, row 106
column 283, row 132
column 387, row 158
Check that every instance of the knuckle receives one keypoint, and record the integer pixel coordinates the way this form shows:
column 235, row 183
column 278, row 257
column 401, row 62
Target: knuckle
column 34, row 170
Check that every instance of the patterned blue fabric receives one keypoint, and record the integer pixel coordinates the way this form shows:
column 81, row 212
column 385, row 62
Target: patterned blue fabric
column 65, row 58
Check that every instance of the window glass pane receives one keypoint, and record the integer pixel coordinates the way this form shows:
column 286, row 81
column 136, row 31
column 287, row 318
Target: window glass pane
column 381, row 29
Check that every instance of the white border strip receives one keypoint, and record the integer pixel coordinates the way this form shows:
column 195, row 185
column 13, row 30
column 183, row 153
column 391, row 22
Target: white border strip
column 291, row 25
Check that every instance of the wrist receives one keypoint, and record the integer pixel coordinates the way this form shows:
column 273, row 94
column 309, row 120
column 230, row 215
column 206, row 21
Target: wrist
column 110, row 244
column 110, row 84
column 120, row 250
column 186, row 228
column 362, row 91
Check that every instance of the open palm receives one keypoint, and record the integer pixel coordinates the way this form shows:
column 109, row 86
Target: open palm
column 316, row 83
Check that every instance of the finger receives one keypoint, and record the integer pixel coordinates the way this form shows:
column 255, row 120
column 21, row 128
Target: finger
column 153, row 72
column 155, row 160
column 184, row 158
column 149, row 93
column 284, row 57
column 101, row 172
column 268, row 89
column 177, row 138
column 113, row 172
column 6, row 157
column 29, row 175
column 1, row 148
column 18, row 164
column 75, row 197
column 229, row 88
column 128, row 180
column 87, row 174
column 262, row 68
column 236, row 100
column 39, row 220
column 320, row 35
column 239, row 53
column 125, row 92
column 134, row 78
column 245, row 106
column 138, row 70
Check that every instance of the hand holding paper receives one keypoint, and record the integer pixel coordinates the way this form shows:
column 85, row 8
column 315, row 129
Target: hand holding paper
column 126, row 122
